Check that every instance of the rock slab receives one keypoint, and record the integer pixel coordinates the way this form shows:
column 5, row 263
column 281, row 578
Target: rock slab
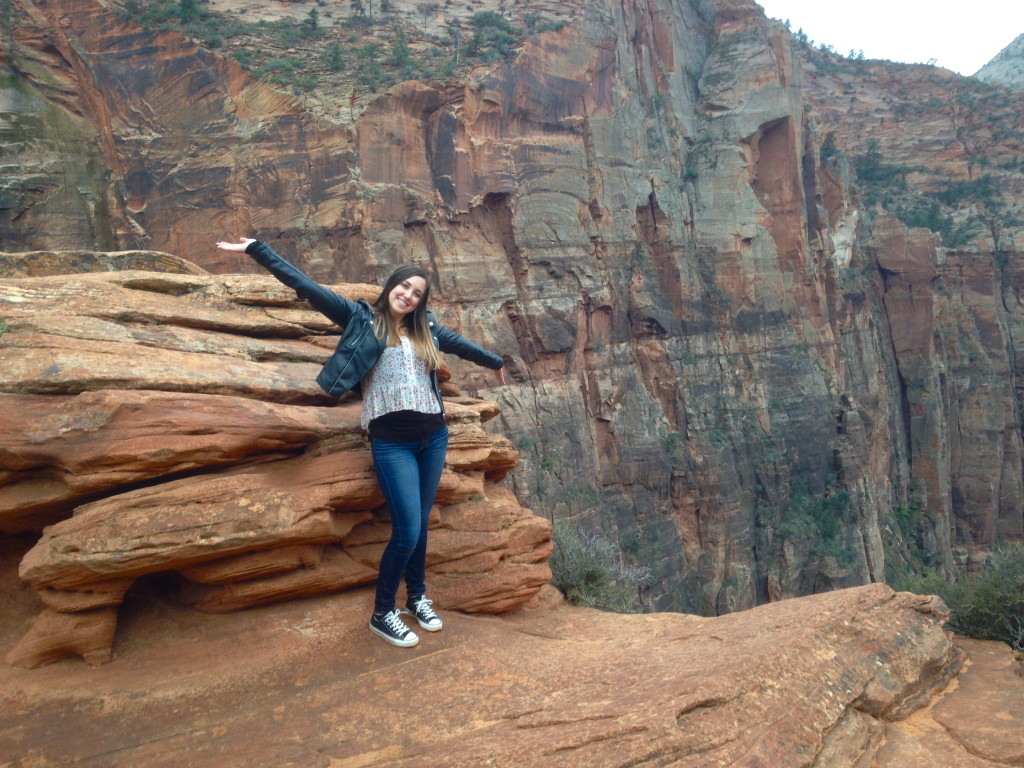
column 861, row 677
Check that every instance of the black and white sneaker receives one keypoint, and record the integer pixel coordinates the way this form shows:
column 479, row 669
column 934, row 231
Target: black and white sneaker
column 419, row 606
column 391, row 627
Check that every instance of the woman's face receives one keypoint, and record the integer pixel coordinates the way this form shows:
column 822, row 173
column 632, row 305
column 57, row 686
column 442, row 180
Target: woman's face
column 406, row 296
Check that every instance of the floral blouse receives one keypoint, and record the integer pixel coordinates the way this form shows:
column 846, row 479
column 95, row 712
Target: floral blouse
column 398, row 382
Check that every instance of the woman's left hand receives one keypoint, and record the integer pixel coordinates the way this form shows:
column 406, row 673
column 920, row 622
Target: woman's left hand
column 241, row 245
column 501, row 375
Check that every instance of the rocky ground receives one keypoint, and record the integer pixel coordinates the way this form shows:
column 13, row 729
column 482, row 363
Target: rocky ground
column 828, row 680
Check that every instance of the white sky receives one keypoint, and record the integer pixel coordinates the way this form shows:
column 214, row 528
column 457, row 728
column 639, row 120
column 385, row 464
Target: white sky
column 961, row 36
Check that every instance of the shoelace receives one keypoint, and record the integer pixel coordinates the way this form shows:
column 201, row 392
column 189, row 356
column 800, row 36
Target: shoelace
column 395, row 624
column 423, row 609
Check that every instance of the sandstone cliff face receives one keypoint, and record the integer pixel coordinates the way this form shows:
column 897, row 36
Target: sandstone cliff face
column 719, row 358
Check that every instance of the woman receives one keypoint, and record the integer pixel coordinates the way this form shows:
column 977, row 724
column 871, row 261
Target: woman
column 389, row 350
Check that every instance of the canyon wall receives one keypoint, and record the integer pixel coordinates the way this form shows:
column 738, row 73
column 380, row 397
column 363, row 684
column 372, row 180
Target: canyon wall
column 720, row 357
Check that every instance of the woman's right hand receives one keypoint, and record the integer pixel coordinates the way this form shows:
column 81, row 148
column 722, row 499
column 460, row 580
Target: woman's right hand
column 241, row 245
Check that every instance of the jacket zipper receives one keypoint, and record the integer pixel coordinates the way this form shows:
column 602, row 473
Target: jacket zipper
column 354, row 345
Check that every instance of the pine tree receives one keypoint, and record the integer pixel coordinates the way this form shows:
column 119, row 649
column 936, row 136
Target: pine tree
column 188, row 11
column 312, row 22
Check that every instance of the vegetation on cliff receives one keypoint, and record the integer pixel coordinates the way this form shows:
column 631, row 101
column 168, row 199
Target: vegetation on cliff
column 986, row 604
column 585, row 568
column 350, row 45
column 937, row 150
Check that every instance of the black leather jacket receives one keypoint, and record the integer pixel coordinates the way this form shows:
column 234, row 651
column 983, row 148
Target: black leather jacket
column 359, row 348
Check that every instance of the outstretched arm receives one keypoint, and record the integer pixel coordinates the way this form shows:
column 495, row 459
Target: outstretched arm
column 337, row 308
column 453, row 343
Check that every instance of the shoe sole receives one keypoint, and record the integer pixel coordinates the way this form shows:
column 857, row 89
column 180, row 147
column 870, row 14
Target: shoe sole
column 395, row 641
column 427, row 627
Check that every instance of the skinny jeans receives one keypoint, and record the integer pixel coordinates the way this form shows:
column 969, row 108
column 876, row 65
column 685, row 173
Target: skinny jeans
column 408, row 474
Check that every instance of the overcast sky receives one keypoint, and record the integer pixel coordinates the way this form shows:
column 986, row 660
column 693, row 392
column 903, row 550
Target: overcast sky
column 961, row 36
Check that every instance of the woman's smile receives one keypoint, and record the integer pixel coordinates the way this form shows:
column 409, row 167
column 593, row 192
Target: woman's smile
column 405, row 296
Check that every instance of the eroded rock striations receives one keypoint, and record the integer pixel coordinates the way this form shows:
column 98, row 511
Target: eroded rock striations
column 168, row 422
column 756, row 384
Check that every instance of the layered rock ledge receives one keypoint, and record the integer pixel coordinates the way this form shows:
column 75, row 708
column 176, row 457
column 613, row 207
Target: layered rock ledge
column 858, row 677
column 169, row 422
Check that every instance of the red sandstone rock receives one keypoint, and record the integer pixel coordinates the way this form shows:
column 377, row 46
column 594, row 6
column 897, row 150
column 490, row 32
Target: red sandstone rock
column 485, row 556
column 145, row 532
column 991, row 732
column 46, row 263
column 973, row 724
column 96, row 594
column 337, row 569
column 779, row 685
column 57, row 634
column 160, row 409
column 253, row 565
column 66, row 449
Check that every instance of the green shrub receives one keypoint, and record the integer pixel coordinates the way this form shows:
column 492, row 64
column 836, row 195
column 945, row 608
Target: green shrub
column 243, row 56
column 984, row 190
column 492, row 37
column 550, row 26
column 585, row 568
column 368, row 52
column 311, row 24
column 288, row 33
column 987, row 604
column 484, row 19
column 305, row 82
column 334, row 58
column 188, row 10
column 281, row 71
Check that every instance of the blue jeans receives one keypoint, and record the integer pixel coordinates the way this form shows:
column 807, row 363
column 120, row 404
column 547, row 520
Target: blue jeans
column 408, row 474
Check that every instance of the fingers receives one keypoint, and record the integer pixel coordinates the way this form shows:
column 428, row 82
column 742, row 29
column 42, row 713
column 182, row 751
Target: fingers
column 241, row 245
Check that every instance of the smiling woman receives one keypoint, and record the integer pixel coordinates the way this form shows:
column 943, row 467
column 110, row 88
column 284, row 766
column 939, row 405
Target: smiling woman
column 390, row 350
column 402, row 309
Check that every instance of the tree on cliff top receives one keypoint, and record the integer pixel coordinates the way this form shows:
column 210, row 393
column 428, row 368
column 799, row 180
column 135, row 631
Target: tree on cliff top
column 400, row 55
column 363, row 10
column 493, row 36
